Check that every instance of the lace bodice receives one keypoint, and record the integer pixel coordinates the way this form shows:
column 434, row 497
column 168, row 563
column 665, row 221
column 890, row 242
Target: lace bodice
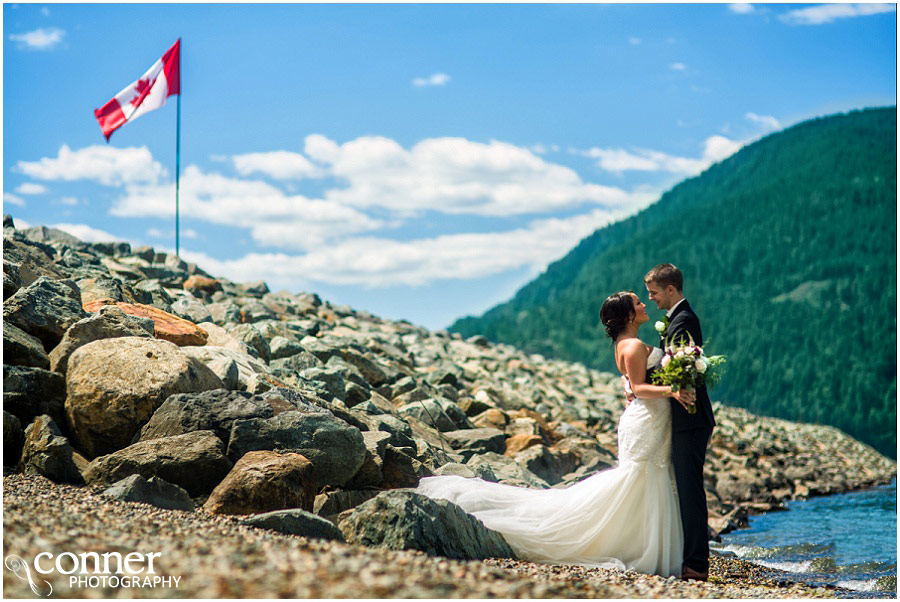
column 645, row 428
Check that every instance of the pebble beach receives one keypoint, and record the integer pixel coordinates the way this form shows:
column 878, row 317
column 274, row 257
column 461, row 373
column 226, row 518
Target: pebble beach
column 215, row 556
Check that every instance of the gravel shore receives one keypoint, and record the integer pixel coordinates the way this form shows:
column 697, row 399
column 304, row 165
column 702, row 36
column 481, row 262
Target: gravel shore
column 215, row 556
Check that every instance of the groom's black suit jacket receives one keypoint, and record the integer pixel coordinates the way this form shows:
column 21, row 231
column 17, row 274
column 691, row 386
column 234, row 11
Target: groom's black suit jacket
column 683, row 323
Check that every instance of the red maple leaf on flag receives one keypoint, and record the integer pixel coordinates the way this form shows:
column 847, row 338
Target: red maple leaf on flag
column 142, row 89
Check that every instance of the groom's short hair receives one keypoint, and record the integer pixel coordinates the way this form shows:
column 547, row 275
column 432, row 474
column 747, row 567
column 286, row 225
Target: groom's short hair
column 665, row 274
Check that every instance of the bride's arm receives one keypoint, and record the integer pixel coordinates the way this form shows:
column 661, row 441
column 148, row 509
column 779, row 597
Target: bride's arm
column 635, row 355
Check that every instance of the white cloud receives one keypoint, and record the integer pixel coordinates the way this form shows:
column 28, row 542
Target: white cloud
column 378, row 262
column 741, row 8
column 154, row 233
column 45, row 11
column 188, row 233
column 715, row 148
column 454, row 175
column 21, row 224
column 68, row 200
column 87, row 233
column 435, row 79
column 31, row 188
column 678, row 66
column 826, row 13
column 766, row 121
column 12, row 199
column 273, row 217
column 105, row 164
column 39, row 39
column 281, row 165
column 634, row 41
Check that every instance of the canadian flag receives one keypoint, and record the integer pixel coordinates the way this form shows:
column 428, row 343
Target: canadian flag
column 149, row 92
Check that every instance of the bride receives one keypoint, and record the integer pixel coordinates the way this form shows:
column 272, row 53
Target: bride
column 625, row 517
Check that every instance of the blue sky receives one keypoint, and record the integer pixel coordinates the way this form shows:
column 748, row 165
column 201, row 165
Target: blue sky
column 416, row 161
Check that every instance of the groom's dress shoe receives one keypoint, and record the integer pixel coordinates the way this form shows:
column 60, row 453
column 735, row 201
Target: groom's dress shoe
column 687, row 573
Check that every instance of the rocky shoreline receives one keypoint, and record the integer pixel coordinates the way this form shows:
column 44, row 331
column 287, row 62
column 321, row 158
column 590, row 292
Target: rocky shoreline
column 134, row 374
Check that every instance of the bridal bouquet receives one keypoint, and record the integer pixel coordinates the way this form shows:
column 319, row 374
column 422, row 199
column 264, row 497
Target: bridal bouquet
column 685, row 366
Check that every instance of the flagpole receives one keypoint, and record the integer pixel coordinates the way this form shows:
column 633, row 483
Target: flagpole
column 177, row 169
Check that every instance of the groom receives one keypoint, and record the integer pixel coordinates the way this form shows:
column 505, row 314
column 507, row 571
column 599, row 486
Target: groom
column 690, row 432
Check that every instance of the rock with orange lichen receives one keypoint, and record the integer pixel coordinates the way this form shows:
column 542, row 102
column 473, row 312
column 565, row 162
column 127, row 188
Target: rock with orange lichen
column 167, row 326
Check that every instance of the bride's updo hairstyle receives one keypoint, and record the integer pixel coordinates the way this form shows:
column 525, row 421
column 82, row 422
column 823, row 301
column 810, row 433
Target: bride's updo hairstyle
column 616, row 312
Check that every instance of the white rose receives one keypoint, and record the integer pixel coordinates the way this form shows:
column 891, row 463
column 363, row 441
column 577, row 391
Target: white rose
column 679, row 353
column 660, row 327
column 700, row 365
column 665, row 360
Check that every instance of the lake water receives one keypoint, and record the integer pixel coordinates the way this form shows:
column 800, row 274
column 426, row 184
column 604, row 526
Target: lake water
column 848, row 540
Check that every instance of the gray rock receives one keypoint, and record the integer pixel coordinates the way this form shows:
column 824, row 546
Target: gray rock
column 191, row 309
column 49, row 235
column 12, row 280
column 370, row 474
column 194, row 461
column 446, row 374
column 294, row 364
column 431, row 412
column 29, row 392
column 330, row 377
column 246, row 333
column 46, row 452
column 153, row 491
column 296, row 522
column 94, row 289
column 403, row 520
column 257, row 288
column 145, row 252
column 335, row 448
column 224, row 312
column 469, row 442
column 331, row 503
column 22, row 349
column 117, row 249
column 13, row 439
column 320, row 348
column 45, row 309
column 159, row 296
column 32, row 259
column 214, row 411
column 374, row 374
column 281, row 347
column 456, row 469
column 549, row 465
column 400, row 468
column 508, row 470
column 263, row 481
column 220, row 361
column 110, row 322
column 401, row 434
column 256, row 312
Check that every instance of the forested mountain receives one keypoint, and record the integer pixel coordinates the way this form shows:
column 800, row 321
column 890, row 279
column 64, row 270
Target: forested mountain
column 788, row 248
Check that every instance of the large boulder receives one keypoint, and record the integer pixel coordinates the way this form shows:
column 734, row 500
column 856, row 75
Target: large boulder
column 195, row 462
column 263, row 481
column 431, row 412
column 48, row 453
column 22, row 349
column 335, row 448
column 253, row 338
column 153, row 491
column 167, row 326
column 29, row 392
column 296, row 522
column 404, row 520
column 45, row 309
column 370, row 474
column 115, row 385
column 547, row 463
column 400, row 468
column 214, row 411
column 110, row 322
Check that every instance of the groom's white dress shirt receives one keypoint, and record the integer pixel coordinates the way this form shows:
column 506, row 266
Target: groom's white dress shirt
column 672, row 309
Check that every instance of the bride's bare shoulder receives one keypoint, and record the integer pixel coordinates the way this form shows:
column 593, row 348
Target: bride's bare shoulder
column 630, row 347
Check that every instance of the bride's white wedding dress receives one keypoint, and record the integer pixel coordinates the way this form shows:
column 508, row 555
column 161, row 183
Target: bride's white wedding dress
column 625, row 517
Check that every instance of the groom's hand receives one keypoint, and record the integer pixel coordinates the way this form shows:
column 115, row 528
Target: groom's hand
column 629, row 394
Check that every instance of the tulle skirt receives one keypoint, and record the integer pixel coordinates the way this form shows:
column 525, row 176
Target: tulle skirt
column 626, row 517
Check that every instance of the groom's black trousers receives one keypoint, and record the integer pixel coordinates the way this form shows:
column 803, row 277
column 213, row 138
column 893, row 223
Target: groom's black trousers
column 688, row 453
